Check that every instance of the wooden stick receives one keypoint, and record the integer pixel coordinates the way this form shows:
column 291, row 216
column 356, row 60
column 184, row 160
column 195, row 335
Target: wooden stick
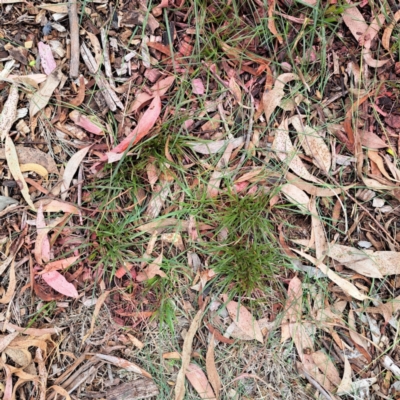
column 74, row 33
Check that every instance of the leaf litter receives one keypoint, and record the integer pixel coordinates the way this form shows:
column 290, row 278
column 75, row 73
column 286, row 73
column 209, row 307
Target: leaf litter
column 324, row 155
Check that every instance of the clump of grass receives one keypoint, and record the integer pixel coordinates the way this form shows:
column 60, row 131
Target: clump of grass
column 248, row 256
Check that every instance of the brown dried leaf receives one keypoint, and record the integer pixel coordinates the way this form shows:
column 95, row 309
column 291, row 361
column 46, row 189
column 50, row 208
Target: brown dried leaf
column 366, row 262
column 313, row 144
column 186, row 352
column 371, row 140
column 388, row 31
column 297, row 196
column 198, row 380
column 353, row 331
column 318, row 231
column 211, row 369
column 376, row 158
column 40, row 99
column 326, row 366
column 242, row 317
column 152, row 270
column 345, row 386
column 287, row 153
column 28, row 155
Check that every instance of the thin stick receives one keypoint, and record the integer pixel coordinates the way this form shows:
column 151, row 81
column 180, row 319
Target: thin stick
column 74, row 33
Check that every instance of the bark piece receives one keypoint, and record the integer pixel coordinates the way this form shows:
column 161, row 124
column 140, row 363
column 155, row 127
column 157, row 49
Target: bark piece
column 139, row 389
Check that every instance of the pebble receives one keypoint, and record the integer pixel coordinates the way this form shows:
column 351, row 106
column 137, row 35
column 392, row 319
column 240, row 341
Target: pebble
column 378, row 202
column 364, row 244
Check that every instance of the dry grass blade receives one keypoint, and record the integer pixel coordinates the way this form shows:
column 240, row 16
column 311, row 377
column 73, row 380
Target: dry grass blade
column 99, row 303
column 186, row 352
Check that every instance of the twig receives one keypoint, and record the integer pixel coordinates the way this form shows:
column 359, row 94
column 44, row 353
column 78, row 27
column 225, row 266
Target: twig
column 74, row 33
column 249, row 134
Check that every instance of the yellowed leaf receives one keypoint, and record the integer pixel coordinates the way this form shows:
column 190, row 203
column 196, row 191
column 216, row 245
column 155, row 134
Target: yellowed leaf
column 326, row 366
column 40, row 170
column 13, row 165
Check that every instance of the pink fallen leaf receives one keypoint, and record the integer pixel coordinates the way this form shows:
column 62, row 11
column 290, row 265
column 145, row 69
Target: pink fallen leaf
column 152, row 270
column 59, row 264
column 46, row 58
column 242, row 317
column 198, row 87
column 143, row 127
column 198, row 380
column 57, row 282
column 369, row 139
column 158, row 89
column 85, row 123
column 121, row 271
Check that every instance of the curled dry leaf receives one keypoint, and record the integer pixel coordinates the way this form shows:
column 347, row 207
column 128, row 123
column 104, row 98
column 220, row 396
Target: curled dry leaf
column 13, row 165
column 198, row 380
column 70, row 170
column 376, row 158
column 366, row 262
column 287, row 153
column 152, row 270
column 271, row 21
column 313, row 144
column 388, row 31
column 243, row 319
column 56, row 281
column 38, row 169
column 124, row 364
column 273, row 98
